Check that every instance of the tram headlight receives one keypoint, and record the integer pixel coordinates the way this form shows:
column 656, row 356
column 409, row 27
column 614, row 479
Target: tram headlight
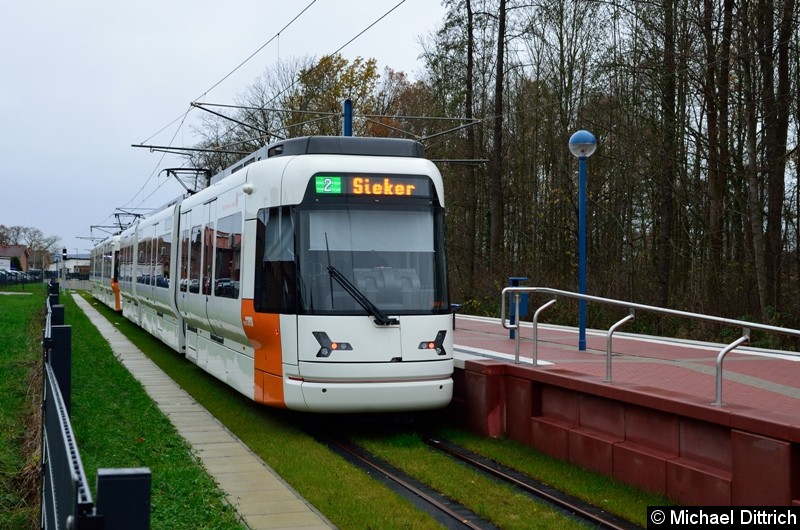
column 327, row 346
column 437, row 344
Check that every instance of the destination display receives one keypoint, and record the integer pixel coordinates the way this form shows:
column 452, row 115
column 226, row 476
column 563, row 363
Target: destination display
column 374, row 185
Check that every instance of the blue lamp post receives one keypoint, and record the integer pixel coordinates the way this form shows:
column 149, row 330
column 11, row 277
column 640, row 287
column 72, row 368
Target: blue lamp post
column 582, row 145
column 347, row 122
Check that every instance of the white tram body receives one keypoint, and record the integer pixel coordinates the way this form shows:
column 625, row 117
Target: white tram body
column 102, row 273
column 313, row 278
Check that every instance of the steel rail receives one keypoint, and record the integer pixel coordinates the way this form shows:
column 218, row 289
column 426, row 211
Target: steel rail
column 374, row 464
column 579, row 509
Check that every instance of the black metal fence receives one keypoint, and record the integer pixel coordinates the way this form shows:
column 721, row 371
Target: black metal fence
column 123, row 495
column 8, row 277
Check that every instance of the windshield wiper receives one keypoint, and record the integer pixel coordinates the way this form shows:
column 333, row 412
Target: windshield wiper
column 380, row 317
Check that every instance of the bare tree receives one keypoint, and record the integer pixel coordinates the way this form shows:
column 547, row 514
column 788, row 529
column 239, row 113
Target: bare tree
column 497, row 211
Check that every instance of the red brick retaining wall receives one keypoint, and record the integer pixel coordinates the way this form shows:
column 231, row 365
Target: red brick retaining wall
column 666, row 442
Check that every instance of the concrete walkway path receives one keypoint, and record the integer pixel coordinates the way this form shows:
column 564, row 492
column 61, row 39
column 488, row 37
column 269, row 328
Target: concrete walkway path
column 260, row 496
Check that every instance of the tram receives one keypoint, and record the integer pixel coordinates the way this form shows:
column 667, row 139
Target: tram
column 310, row 276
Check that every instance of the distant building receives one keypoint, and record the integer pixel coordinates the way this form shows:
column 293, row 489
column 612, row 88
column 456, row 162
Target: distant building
column 40, row 259
column 72, row 267
column 22, row 252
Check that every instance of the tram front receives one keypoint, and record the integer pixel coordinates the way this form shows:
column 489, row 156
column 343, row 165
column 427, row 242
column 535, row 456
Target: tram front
column 360, row 264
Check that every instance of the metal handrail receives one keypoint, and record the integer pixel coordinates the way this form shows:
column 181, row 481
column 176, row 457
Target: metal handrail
column 738, row 342
column 632, row 306
column 535, row 354
column 609, row 335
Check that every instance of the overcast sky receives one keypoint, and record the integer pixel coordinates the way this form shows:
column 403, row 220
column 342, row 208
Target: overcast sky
column 82, row 80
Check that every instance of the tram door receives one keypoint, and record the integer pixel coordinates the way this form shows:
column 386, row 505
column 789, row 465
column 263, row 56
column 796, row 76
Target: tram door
column 207, row 272
column 196, row 275
column 187, row 246
column 115, row 283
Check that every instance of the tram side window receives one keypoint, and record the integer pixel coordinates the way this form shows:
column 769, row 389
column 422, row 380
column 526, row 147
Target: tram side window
column 275, row 275
column 121, row 264
column 194, row 260
column 106, row 262
column 229, row 248
column 148, row 262
column 131, row 261
column 127, row 251
column 141, row 261
column 208, row 253
column 163, row 249
column 94, row 263
column 184, row 260
column 151, row 258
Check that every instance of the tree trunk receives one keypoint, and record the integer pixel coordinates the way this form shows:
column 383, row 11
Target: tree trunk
column 666, row 188
column 472, row 196
column 756, row 219
column 775, row 99
column 753, row 191
column 716, row 88
column 496, row 256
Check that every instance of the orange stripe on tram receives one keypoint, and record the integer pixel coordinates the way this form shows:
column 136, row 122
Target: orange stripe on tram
column 115, row 289
column 264, row 332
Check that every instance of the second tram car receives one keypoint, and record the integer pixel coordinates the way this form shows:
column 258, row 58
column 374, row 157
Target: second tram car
column 313, row 278
column 103, row 272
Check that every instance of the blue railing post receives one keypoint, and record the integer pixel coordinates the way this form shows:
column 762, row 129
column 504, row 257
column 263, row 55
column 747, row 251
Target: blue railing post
column 515, row 281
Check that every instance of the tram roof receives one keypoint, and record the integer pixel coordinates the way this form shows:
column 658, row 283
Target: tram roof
column 329, row 145
column 347, row 145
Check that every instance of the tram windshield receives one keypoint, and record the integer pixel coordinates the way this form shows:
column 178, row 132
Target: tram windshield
column 392, row 255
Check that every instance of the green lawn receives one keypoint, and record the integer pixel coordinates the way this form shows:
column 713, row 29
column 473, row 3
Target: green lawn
column 116, row 425
column 20, row 353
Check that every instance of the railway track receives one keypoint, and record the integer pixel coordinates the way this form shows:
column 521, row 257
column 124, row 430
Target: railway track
column 450, row 514
column 576, row 508
column 453, row 515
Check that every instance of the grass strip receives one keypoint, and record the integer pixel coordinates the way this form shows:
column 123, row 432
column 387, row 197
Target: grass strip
column 614, row 497
column 21, row 322
column 412, row 455
column 502, row 504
